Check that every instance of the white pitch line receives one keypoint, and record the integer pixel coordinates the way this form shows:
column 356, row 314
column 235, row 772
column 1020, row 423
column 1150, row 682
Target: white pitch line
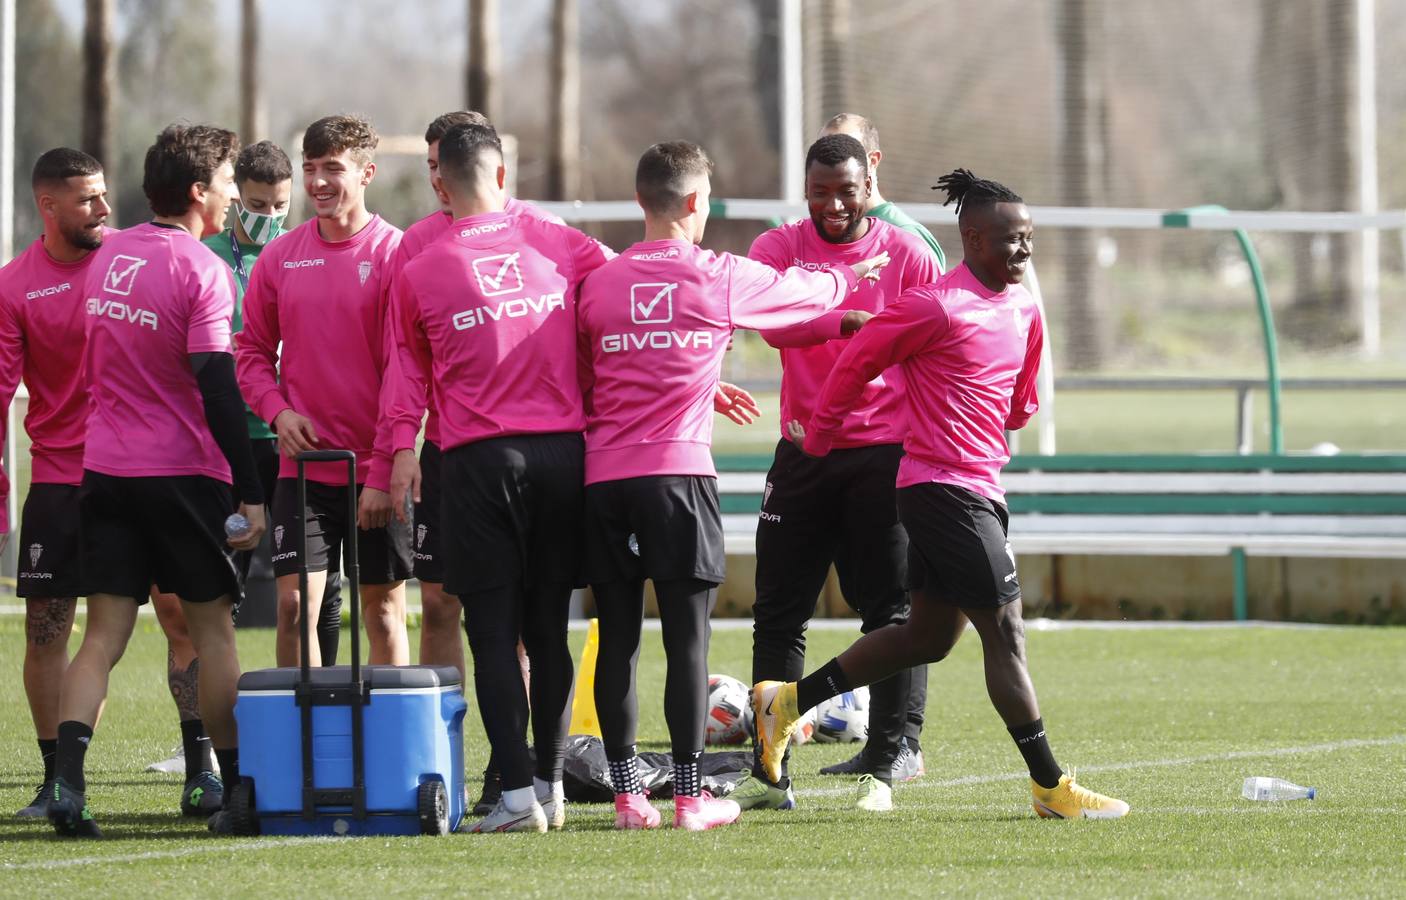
column 213, row 847
column 965, row 780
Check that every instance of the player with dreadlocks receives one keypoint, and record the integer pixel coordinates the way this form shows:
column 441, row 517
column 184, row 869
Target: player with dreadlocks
column 969, row 346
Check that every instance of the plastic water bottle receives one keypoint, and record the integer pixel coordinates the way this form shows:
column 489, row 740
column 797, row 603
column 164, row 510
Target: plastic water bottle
column 236, row 525
column 1261, row 788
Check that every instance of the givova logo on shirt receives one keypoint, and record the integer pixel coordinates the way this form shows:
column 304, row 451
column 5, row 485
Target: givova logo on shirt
column 48, row 291
column 509, row 309
column 122, row 274
column 122, row 312
column 499, row 274
column 652, row 303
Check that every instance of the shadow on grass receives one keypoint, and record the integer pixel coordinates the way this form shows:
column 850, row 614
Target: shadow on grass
column 115, row 827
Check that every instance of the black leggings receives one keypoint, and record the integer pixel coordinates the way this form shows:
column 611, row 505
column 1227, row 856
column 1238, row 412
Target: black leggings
column 493, row 621
column 685, row 606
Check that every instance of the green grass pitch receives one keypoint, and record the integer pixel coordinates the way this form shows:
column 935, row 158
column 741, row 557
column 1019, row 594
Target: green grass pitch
column 1171, row 720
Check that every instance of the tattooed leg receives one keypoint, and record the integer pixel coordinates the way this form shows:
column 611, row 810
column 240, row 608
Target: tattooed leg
column 47, row 624
column 182, row 670
column 184, row 684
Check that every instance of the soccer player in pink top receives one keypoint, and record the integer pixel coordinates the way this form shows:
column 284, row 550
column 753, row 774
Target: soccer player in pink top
column 969, row 347
column 839, row 509
column 486, row 318
column 41, row 325
column 165, row 433
column 654, row 324
column 441, row 640
column 320, row 290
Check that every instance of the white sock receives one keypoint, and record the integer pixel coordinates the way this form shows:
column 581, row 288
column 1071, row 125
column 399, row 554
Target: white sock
column 548, row 789
column 519, row 799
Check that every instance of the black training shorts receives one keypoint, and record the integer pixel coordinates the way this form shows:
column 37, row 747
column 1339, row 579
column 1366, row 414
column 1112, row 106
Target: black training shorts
column 166, row 530
column 512, row 512
column 429, row 562
column 958, row 552
column 664, row 527
column 50, row 551
column 383, row 554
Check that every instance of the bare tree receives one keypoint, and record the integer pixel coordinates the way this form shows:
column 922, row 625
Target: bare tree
column 1083, row 153
column 482, row 74
column 836, row 65
column 97, row 81
column 252, row 123
column 564, row 162
column 1308, row 62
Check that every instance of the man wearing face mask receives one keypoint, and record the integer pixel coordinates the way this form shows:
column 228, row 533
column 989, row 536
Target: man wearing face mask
column 264, row 176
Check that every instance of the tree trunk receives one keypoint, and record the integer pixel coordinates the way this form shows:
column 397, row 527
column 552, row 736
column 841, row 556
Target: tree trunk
column 252, row 124
column 1079, row 35
column 1342, row 168
column 835, row 58
column 482, row 74
column 97, row 82
column 564, row 163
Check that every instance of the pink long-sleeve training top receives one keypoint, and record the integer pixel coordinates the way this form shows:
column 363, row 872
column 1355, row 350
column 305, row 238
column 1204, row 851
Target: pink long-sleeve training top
column 419, row 236
column 486, row 322
column 41, row 341
column 969, row 357
column 326, row 302
column 153, row 296
column 809, row 350
column 654, row 326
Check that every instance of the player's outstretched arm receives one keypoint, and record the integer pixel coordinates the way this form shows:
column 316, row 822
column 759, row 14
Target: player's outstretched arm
column 903, row 329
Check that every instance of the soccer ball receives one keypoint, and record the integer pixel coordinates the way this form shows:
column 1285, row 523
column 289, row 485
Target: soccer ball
column 805, row 728
column 729, row 709
column 844, row 718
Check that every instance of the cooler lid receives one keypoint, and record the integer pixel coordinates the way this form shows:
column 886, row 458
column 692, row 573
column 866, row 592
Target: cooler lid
column 379, row 677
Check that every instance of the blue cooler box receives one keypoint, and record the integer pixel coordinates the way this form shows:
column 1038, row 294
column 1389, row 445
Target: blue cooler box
column 413, row 739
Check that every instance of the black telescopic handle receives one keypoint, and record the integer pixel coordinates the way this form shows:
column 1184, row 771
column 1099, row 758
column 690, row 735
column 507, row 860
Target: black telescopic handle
column 326, row 456
column 353, row 567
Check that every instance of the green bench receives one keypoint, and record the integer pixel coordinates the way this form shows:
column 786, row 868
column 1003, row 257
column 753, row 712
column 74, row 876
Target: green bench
column 1349, row 505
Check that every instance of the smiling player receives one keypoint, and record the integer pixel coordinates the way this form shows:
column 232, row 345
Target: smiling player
column 839, row 509
column 969, row 347
column 320, row 293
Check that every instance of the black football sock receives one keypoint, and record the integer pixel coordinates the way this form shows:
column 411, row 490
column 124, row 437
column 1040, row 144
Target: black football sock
column 197, row 748
column 625, row 772
column 229, row 770
column 73, row 741
column 48, row 749
column 1035, row 747
column 825, row 682
column 688, row 780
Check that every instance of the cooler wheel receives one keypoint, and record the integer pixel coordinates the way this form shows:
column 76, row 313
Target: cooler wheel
column 433, row 804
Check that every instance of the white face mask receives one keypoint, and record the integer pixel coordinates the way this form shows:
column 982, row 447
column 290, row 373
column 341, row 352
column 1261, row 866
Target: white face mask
column 260, row 227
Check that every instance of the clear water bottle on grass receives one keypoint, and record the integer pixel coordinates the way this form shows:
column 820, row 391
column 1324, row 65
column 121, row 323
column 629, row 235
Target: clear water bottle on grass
column 1261, row 788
